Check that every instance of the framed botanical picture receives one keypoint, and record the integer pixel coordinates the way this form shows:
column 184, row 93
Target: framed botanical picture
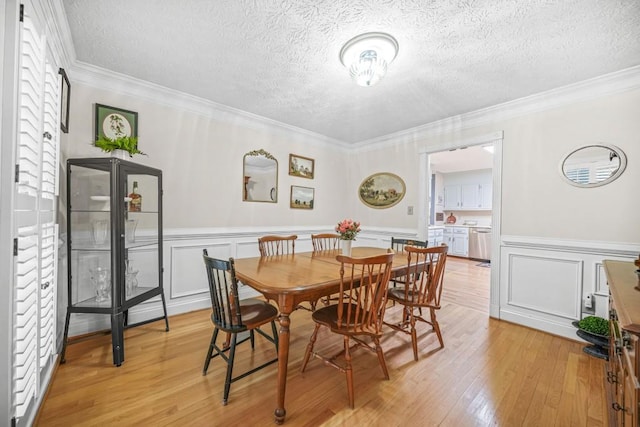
column 381, row 190
column 301, row 197
column 65, row 92
column 115, row 122
column 301, row 166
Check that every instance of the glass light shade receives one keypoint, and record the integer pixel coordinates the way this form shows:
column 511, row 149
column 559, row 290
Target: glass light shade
column 368, row 69
column 367, row 56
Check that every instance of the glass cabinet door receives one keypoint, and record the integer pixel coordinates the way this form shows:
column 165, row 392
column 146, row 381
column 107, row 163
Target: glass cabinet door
column 141, row 232
column 90, row 221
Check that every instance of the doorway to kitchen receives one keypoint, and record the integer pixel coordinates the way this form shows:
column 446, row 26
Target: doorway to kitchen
column 460, row 182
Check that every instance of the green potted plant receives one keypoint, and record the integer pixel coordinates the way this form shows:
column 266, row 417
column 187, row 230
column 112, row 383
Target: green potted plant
column 594, row 330
column 125, row 143
column 595, row 325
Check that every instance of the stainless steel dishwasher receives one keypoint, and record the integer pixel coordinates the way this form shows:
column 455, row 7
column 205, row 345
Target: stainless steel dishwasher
column 480, row 243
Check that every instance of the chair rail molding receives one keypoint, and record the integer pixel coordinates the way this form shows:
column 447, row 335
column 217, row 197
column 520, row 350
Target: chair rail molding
column 630, row 250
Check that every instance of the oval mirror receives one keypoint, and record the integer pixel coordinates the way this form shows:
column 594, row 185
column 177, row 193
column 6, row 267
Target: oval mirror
column 594, row 165
column 260, row 173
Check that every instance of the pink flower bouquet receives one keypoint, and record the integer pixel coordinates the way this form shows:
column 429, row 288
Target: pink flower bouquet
column 348, row 229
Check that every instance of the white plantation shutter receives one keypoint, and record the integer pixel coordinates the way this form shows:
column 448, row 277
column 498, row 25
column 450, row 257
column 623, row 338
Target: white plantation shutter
column 51, row 133
column 36, row 233
column 26, row 319
column 30, row 113
column 604, row 172
column 46, row 207
column 579, row 175
column 48, row 274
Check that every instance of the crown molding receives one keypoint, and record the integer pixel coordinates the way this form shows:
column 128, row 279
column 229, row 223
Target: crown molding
column 605, row 85
column 80, row 72
column 59, row 32
column 112, row 81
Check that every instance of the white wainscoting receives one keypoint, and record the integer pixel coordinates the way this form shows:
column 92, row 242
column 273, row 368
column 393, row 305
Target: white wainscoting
column 185, row 280
column 544, row 282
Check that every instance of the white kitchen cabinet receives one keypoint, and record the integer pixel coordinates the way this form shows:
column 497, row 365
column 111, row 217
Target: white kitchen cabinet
column 451, row 197
column 486, row 196
column 457, row 238
column 469, row 196
column 436, row 237
column 468, row 191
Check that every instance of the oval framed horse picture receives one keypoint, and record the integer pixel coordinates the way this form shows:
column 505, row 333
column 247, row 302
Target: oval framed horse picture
column 381, row 190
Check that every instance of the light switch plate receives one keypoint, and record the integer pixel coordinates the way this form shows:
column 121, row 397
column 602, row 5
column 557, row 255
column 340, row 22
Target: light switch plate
column 409, row 210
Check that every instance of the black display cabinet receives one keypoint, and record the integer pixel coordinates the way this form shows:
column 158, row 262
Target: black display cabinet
column 114, row 247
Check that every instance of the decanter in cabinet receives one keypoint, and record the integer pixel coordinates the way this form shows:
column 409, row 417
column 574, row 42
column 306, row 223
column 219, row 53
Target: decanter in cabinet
column 115, row 254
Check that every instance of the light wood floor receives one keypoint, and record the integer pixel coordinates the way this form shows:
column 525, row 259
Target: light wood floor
column 489, row 373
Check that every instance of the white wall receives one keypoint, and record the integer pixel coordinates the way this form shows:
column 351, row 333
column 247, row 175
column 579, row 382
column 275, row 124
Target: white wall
column 536, row 200
column 201, row 159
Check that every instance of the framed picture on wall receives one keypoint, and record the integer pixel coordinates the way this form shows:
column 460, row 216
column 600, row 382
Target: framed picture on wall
column 65, row 92
column 381, row 190
column 112, row 122
column 301, row 197
column 301, row 166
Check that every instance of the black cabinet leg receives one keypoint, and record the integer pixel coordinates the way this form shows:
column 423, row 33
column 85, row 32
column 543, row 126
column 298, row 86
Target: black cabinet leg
column 164, row 307
column 65, row 337
column 117, row 338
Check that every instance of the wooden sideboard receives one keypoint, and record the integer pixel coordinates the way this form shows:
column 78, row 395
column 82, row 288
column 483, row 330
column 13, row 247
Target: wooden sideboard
column 622, row 369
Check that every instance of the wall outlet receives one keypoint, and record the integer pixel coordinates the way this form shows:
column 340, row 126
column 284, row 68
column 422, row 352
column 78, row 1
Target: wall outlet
column 588, row 301
column 409, row 210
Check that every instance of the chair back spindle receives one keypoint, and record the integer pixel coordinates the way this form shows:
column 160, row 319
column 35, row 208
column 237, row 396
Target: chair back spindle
column 426, row 274
column 223, row 288
column 363, row 292
column 277, row 245
column 325, row 241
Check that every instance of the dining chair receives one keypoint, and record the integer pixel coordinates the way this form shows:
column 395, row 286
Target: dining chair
column 423, row 289
column 325, row 241
column 277, row 245
column 280, row 245
column 233, row 316
column 358, row 315
column 398, row 246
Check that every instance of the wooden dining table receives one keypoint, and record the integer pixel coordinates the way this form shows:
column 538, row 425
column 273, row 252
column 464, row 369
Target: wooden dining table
column 291, row 279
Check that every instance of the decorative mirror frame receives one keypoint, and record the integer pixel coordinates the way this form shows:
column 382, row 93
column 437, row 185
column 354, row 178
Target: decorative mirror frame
column 614, row 149
column 273, row 193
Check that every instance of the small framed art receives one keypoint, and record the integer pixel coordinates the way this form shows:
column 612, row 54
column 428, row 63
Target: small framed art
column 301, row 197
column 65, row 92
column 301, row 166
column 112, row 122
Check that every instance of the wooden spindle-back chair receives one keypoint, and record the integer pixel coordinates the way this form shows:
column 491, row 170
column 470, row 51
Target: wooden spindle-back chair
column 358, row 315
column 423, row 288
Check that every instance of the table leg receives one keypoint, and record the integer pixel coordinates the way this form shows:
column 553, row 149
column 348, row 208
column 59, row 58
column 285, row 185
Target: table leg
column 283, row 359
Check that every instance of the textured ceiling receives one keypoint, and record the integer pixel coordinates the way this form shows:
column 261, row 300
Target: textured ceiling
column 279, row 59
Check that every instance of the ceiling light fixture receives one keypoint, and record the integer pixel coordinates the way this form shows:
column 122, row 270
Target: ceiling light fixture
column 367, row 56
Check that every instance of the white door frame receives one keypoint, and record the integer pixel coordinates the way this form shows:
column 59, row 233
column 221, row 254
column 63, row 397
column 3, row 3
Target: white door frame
column 424, row 176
